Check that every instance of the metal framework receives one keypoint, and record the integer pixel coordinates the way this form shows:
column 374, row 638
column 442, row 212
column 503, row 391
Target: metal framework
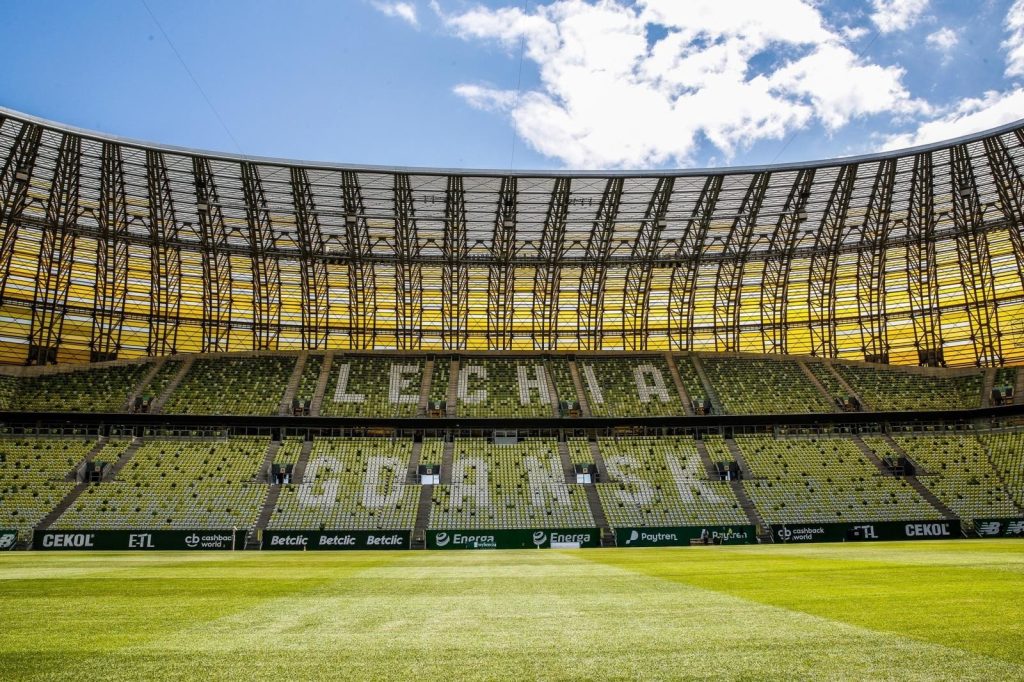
column 117, row 249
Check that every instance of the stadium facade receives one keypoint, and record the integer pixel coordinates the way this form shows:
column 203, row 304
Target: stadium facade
column 117, row 249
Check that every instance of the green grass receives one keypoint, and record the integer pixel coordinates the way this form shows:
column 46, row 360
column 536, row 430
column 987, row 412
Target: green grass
column 946, row 610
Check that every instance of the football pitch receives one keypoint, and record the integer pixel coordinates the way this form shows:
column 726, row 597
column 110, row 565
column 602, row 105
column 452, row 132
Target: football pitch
column 947, row 610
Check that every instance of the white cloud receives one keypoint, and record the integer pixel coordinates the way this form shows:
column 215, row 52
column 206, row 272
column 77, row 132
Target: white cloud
column 970, row 115
column 1014, row 45
column 731, row 73
column 943, row 40
column 897, row 15
column 400, row 10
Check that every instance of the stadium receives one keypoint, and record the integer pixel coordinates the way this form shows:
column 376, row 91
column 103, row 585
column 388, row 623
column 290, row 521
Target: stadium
column 773, row 415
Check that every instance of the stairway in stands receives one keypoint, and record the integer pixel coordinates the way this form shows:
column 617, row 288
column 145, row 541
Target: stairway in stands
column 764, row 531
column 602, row 470
column 705, row 459
column 179, row 376
column 916, row 484
column 293, row 383
column 453, row 389
column 299, row 470
column 830, row 400
column 737, row 455
column 446, row 463
column 254, row 538
column 125, row 457
column 567, row 466
column 419, row 531
column 705, row 380
column 146, row 379
column 581, row 394
column 321, row 385
column 412, row 474
column 870, row 455
column 597, row 510
column 680, row 387
column 428, row 375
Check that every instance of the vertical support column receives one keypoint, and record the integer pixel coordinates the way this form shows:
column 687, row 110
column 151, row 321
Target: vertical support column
column 14, row 183
column 590, row 311
column 501, row 277
column 111, row 257
column 975, row 261
column 217, row 298
column 874, row 235
column 362, row 278
column 821, row 282
column 781, row 251
column 408, row 270
column 165, row 260
column 729, row 279
column 56, row 254
column 683, row 284
column 315, row 302
column 454, row 273
column 266, row 270
column 548, row 275
column 637, row 296
column 922, row 263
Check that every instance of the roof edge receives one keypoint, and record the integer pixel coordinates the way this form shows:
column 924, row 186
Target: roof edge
column 490, row 172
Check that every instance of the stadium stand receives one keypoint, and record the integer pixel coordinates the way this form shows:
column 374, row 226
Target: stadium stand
column 906, row 389
column 956, row 468
column 629, row 386
column 493, row 387
column 508, row 486
column 232, row 386
column 363, row 386
column 691, row 381
column 661, row 482
column 8, row 390
column 1006, row 452
column 172, row 484
column 34, row 477
column 351, row 484
column 762, row 386
column 92, row 390
column 821, row 480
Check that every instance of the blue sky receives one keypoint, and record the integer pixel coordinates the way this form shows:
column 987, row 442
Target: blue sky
column 563, row 84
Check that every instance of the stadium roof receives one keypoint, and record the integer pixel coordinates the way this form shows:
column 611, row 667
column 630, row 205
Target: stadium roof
column 113, row 247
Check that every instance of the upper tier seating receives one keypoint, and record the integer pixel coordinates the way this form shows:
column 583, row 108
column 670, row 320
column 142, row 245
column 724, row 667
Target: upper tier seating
column 1006, row 452
column 629, row 386
column 691, row 380
column 822, row 480
column 759, row 386
column 440, row 379
column 661, row 482
column 902, row 390
column 515, row 387
column 508, row 486
column 163, row 377
column 92, row 390
column 562, row 378
column 351, row 484
column 955, row 467
column 828, row 380
column 33, row 473
column 362, row 386
column 178, row 484
column 8, row 389
column 250, row 386
column 309, row 379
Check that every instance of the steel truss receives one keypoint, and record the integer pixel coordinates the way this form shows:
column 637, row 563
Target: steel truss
column 594, row 273
column 1010, row 185
column 266, row 269
column 56, row 254
column 15, row 179
column 165, row 259
column 111, row 257
column 821, row 282
column 975, row 261
column 362, row 277
column 635, row 302
column 775, row 280
column 729, row 279
column 408, row 270
column 218, row 303
column 314, row 287
column 454, row 273
column 501, row 277
column 548, row 275
column 682, row 302
column 871, row 265
column 922, row 263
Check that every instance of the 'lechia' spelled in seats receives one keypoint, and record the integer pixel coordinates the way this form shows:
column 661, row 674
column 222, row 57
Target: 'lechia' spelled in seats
column 361, row 386
column 628, row 387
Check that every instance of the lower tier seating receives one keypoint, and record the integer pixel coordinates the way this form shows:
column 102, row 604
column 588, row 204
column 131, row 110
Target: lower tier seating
column 508, row 486
column 822, row 480
column 33, row 478
column 351, row 484
column 662, row 482
column 178, row 484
